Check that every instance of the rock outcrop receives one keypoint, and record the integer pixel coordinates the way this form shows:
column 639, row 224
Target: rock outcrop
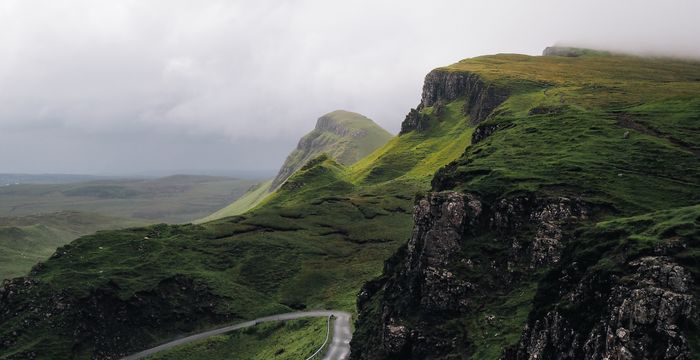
column 425, row 287
column 442, row 86
column 642, row 317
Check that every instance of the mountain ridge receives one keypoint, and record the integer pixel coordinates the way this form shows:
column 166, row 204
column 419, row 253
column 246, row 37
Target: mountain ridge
column 344, row 135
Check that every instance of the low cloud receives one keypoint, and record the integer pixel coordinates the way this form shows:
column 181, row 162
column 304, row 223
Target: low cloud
column 251, row 77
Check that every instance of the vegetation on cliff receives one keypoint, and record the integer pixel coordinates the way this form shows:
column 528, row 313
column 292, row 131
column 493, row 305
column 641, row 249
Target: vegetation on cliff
column 574, row 143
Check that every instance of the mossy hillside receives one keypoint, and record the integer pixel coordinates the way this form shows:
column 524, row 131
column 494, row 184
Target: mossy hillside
column 569, row 137
column 26, row 240
column 293, row 339
column 416, row 155
column 615, row 131
column 254, row 196
column 344, row 136
column 312, row 244
column 618, row 132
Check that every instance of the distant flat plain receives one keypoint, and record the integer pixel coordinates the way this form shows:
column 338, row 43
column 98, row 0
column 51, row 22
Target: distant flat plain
column 40, row 213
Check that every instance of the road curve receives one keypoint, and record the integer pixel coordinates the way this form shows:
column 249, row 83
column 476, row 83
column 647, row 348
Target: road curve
column 339, row 349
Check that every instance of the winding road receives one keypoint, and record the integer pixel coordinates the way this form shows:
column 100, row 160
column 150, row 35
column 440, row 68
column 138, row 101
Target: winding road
column 339, row 349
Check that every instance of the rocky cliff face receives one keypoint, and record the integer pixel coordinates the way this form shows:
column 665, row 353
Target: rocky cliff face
column 640, row 316
column 498, row 270
column 430, row 284
column 413, row 311
column 443, row 86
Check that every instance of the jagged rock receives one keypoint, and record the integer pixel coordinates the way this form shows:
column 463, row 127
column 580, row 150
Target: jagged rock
column 443, row 86
column 395, row 337
column 640, row 319
column 547, row 244
column 415, row 121
column 423, row 291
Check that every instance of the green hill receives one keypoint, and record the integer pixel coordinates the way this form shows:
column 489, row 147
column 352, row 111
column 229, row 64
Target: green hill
column 561, row 184
column 27, row 240
column 48, row 211
column 345, row 136
column 312, row 244
column 568, row 226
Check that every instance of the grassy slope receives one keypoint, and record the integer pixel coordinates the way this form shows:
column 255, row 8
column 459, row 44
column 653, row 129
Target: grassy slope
column 284, row 340
column 36, row 222
column 249, row 200
column 566, row 137
column 26, row 240
column 172, row 199
column 346, row 149
column 578, row 145
column 310, row 245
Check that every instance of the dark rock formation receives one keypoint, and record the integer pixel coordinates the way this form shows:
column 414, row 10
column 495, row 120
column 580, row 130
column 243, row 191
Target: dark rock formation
column 641, row 318
column 422, row 288
column 568, row 51
column 415, row 121
column 442, row 86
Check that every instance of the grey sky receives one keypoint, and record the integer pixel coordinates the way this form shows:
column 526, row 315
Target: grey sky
column 140, row 86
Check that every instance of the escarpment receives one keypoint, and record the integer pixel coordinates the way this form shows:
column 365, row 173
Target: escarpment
column 539, row 242
column 442, row 86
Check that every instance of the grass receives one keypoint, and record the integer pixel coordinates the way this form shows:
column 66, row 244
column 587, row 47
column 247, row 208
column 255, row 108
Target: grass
column 344, row 136
column 254, row 196
column 567, row 136
column 293, row 339
column 27, row 240
column 37, row 218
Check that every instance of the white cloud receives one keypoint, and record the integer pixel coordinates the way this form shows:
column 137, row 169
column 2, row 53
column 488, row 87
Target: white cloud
column 243, row 71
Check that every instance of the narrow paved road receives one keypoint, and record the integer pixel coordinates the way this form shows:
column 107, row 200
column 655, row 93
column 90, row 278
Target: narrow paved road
column 339, row 349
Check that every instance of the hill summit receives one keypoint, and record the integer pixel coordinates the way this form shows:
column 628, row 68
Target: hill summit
column 344, row 136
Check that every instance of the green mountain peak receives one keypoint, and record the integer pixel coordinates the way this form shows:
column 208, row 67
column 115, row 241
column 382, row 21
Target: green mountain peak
column 342, row 135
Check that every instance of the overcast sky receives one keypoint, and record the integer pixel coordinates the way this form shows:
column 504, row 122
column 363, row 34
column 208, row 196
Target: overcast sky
column 199, row 86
